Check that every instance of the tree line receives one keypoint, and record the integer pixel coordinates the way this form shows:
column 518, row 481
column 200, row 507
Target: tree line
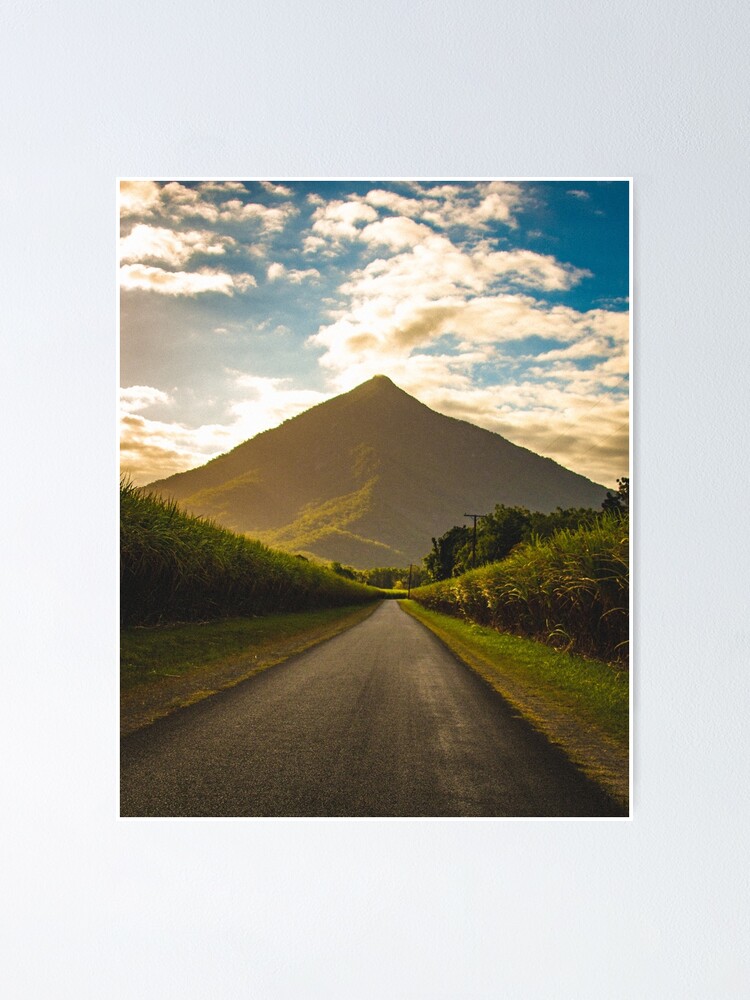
column 462, row 548
column 496, row 534
column 385, row 577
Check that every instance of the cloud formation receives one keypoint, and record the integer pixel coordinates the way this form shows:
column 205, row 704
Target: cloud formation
column 210, row 202
column 278, row 271
column 155, row 279
column 145, row 242
column 464, row 293
column 435, row 288
column 153, row 448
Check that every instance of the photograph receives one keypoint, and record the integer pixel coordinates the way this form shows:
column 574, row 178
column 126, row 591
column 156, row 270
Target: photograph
column 375, row 463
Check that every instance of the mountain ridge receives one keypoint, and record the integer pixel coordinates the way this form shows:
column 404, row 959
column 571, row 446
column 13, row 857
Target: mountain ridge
column 369, row 477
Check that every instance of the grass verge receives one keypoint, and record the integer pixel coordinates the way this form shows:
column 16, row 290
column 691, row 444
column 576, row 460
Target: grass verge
column 166, row 668
column 580, row 705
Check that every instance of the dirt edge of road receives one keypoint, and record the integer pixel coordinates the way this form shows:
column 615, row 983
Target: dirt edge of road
column 142, row 704
column 595, row 753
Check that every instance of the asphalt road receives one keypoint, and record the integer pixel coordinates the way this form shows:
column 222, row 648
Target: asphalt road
column 380, row 721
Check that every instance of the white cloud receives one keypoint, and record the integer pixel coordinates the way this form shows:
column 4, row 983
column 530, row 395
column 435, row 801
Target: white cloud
column 222, row 187
column 315, row 244
column 427, row 311
column 337, row 220
column 531, row 270
column 277, row 271
column 391, row 327
column 584, row 430
column 134, row 398
column 244, row 282
column 498, row 203
column 398, row 204
column 179, row 202
column 396, row 232
column 583, row 195
column 153, row 449
column 138, row 197
column 156, row 279
column 267, row 402
column 271, row 220
column 435, row 288
column 277, row 189
column 445, row 206
column 431, row 268
column 473, row 206
column 613, row 302
column 173, row 248
column 397, row 309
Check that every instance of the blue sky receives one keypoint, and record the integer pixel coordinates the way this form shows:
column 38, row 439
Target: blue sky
column 500, row 302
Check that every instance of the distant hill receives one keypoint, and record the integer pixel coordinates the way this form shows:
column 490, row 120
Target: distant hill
column 369, row 477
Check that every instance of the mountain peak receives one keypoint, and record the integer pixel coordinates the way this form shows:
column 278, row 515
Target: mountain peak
column 378, row 382
column 377, row 386
column 378, row 391
column 369, row 477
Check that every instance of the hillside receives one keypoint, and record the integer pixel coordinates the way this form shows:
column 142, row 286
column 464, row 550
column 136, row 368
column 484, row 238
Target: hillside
column 367, row 478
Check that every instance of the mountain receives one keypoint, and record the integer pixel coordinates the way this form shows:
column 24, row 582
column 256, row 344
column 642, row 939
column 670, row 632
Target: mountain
column 369, row 477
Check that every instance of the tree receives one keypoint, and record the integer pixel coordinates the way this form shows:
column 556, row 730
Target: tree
column 571, row 518
column 497, row 534
column 440, row 562
column 618, row 503
column 346, row 571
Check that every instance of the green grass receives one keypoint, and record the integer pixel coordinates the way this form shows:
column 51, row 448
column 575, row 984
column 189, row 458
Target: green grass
column 165, row 668
column 580, row 704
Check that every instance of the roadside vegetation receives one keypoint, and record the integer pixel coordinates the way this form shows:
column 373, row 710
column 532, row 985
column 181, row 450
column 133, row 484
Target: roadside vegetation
column 561, row 578
column 496, row 534
column 178, row 568
column 392, row 578
column 570, row 591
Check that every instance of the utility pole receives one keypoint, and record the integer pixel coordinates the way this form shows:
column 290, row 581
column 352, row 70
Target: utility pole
column 474, row 539
column 408, row 591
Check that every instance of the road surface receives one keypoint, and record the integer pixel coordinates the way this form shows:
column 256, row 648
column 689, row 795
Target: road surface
column 379, row 721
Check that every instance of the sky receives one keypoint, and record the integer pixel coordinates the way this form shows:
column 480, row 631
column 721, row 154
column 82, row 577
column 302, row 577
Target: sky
column 504, row 303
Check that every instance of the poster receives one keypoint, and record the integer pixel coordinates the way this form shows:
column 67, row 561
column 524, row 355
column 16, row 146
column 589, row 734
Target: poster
column 318, row 380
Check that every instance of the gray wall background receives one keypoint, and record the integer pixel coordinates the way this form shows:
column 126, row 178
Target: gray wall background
column 651, row 908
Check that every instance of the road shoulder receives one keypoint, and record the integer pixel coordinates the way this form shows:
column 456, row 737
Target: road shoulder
column 142, row 702
column 601, row 757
